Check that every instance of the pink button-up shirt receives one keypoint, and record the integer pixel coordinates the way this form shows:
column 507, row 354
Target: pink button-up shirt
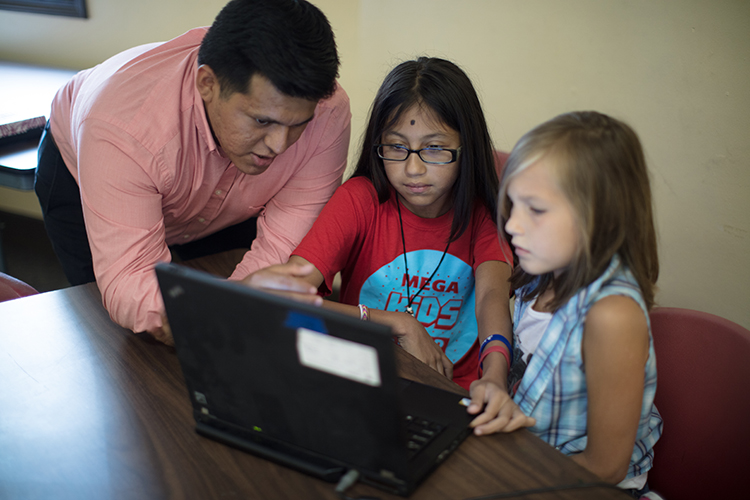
column 133, row 132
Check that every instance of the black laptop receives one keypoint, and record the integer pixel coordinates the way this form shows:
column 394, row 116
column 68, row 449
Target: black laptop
column 303, row 386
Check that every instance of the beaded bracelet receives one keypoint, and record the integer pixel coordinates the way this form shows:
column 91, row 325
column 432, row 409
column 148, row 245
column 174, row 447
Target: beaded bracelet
column 495, row 348
column 364, row 313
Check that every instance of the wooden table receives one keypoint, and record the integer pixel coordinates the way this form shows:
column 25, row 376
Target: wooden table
column 89, row 410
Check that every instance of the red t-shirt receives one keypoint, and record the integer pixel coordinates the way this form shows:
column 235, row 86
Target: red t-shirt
column 360, row 237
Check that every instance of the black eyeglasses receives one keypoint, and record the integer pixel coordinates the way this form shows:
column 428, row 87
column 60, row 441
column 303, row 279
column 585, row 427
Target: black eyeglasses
column 432, row 155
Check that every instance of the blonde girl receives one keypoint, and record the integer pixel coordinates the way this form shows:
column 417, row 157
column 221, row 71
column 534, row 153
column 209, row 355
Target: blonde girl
column 575, row 204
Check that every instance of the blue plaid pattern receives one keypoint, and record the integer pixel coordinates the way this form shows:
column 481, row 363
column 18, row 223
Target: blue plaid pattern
column 553, row 387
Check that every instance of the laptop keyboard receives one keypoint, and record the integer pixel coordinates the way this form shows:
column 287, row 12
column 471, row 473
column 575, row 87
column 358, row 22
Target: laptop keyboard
column 420, row 432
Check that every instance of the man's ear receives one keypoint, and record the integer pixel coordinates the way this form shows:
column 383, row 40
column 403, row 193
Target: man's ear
column 207, row 83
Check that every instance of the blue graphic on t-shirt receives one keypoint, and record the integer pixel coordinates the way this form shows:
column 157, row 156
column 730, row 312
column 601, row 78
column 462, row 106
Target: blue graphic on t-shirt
column 445, row 307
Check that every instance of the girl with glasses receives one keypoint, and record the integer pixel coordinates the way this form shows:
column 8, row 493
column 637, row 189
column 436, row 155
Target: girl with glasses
column 414, row 231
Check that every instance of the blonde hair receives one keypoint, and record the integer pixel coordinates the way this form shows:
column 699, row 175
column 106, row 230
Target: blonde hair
column 603, row 173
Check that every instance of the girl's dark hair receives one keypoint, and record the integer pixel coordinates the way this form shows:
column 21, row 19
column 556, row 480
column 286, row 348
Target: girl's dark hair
column 443, row 88
column 290, row 42
column 602, row 171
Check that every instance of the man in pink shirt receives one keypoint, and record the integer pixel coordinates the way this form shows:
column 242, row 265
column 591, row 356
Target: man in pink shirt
column 169, row 143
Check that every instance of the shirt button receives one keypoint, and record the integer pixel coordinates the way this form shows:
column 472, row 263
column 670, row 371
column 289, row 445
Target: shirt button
column 185, row 236
column 201, row 220
column 217, row 192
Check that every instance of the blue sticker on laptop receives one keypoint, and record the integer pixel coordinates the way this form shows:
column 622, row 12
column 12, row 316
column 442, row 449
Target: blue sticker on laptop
column 296, row 319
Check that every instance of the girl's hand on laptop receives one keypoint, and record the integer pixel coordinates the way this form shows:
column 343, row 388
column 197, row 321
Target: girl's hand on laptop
column 415, row 340
column 287, row 280
column 501, row 413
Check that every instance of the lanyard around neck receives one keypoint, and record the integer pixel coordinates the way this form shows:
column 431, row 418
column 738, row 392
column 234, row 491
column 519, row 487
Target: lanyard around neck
column 409, row 298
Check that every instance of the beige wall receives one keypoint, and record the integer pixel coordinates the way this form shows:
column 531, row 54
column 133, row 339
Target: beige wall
column 678, row 72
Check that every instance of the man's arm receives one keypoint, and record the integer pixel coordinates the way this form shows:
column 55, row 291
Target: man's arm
column 122, row 208
column 290, row 280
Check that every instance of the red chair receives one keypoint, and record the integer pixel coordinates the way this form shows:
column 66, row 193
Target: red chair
column 703, row 395
column 500, row 158
column 11, row 288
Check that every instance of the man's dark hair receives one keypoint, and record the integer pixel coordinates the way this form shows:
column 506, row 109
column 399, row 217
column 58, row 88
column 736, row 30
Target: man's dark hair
column 290, row 42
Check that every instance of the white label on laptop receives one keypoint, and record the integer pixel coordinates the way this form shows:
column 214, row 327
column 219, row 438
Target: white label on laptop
column 339, row 357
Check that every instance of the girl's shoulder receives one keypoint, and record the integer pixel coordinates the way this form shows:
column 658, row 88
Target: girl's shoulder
column 612, row 299
column 481, row 220
column 357, row 188
column 361, row 186
column 357, row 193
column 618, row 281
column 615, row 281
column 480, row 212
column 616, row 312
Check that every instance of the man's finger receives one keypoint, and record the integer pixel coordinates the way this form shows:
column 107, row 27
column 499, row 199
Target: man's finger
column 306, row 298
column 268, row 279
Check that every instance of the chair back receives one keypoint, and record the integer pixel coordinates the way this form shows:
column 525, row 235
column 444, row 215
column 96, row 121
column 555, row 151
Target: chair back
column 703, row 395
column 500, row 158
